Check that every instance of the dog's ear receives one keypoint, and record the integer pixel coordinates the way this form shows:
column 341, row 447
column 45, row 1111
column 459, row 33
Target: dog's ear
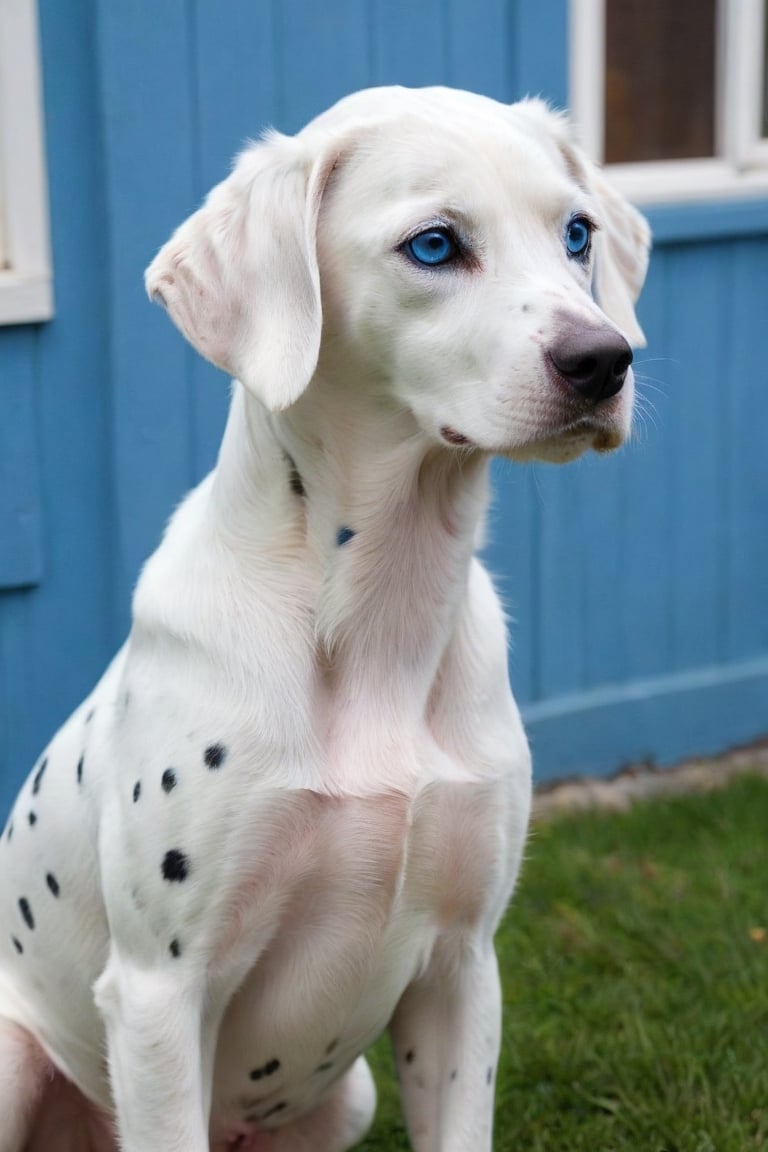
column 622, row 243
column 622, row 248
column 240, row 278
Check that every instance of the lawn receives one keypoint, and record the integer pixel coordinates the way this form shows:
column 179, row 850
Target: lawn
column 634, row 962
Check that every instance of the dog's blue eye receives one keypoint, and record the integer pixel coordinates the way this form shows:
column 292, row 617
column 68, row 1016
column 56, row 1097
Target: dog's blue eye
column 578, row 235
column 435, row 246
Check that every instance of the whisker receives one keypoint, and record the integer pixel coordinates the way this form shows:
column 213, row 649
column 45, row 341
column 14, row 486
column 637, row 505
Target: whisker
column 645, row 419
column 646, row 407
column 652, row 383
column 645, row 401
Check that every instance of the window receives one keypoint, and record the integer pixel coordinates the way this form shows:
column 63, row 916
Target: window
column 673, row 94
column 25, row 264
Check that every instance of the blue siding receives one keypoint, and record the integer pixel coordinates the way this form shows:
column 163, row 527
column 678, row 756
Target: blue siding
column 539, row 49
column 56, row 636
column 21, row 512
column 637, row 583
column 693, row 412
column 747, row 436
column 332, row 45
column 149, row 174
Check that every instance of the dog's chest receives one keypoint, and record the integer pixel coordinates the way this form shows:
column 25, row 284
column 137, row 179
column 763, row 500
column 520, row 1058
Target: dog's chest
column 366, row 888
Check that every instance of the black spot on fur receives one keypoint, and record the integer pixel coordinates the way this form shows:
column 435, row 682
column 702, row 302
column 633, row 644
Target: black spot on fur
column 325, row 1066
column 268, row 1069
column 409, row 1056
column 17, row 945
column 333, row 1044
column 53, row 884
column 294, row 477
column 296, row 482
column 215, row 755
column 10, row 831
column 489, row 1076
column 454, row 1074
column 80, row 764
column 26, row 912
column 32, row 819
column 136, row 790
column 169, row 780
column 39, row 776
column 274, row 1109
column 343, row 536
column 175, row 866
column 89, row 717
column 174, row 949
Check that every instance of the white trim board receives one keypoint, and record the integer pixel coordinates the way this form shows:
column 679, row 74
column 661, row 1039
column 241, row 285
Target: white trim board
column 26, row 290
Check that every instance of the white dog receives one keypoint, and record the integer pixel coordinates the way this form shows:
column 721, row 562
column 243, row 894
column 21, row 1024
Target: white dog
column 292, row 812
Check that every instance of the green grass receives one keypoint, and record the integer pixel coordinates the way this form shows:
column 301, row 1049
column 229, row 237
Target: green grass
column 635, row 983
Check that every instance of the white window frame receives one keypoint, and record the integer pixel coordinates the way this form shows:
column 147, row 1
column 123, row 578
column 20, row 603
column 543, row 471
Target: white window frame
column 740, row 168
column 26, row 282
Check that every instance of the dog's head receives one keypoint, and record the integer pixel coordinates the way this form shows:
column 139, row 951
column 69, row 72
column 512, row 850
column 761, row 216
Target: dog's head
column 455, row 254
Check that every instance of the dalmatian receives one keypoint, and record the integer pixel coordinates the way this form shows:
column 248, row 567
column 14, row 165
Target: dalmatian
column 291, row 814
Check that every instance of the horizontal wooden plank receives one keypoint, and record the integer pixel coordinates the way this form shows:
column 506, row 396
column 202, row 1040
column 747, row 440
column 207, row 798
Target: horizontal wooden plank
column 709, row 220
column 661, row 720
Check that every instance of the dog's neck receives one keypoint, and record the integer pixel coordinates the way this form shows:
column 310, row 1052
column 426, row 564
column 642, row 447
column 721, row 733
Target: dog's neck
column 386, row 521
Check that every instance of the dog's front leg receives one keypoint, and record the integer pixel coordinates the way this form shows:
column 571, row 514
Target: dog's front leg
column 446, row 1035
column 154, row 1029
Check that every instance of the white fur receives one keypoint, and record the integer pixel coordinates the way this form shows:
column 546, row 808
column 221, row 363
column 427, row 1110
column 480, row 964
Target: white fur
column 348, row 851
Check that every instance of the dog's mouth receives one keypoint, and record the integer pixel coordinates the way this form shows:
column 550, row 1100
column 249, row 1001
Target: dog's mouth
column 603, row 427
column 456, row 439
column 561, row 432
column 567, row 439
column 601, row 438
column 556, row 445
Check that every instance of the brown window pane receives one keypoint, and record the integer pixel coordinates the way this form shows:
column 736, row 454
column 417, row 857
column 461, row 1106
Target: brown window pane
column 659, row 79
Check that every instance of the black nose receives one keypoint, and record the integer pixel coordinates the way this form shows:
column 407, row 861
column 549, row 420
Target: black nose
column 594, row 362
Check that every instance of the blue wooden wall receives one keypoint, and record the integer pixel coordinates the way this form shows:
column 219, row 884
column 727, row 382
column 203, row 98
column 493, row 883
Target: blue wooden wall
column 638, row 582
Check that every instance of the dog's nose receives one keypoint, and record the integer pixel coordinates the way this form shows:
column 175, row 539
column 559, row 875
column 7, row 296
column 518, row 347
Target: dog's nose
column 594, row 362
